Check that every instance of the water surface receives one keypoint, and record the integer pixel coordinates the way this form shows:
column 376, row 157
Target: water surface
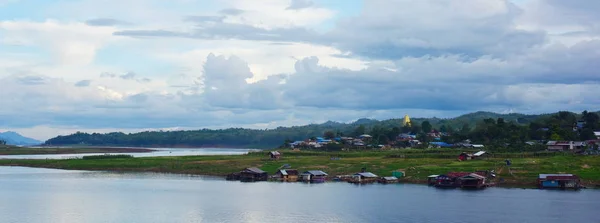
column 45, row 195
column 158, row 152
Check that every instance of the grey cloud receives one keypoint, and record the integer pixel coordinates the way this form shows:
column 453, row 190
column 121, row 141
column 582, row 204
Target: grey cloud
column 300, row 4
column 83, row 83
column 128, row 76
column 204, row 18
column 224, row 30
column 31, row 80
column 150, row 33
column 105, row 22
column 384, row 32
column 232, row 11
column 106, row 74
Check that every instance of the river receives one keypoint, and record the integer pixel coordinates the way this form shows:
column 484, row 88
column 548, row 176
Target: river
column 157, row 152
column 47, row 195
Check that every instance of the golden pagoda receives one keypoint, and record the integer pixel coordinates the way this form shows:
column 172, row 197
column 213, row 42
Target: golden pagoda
column 406, row 121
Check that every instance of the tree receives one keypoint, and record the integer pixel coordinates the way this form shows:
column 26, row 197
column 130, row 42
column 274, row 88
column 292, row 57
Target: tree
column 426, row 126
column 359, row 130
column 2, row 142
column 443, row 128
column 555, row 137
column 329, row 135
column 587, row 134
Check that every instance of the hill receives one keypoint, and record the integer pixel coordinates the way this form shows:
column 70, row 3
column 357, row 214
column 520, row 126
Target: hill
column 13, row 138
column 239, row 137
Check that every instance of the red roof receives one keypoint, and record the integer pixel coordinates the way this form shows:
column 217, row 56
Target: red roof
column 457, row 174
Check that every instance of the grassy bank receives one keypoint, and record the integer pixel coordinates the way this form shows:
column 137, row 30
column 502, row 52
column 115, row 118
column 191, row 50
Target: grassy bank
column 417, row 164
column 14, row 150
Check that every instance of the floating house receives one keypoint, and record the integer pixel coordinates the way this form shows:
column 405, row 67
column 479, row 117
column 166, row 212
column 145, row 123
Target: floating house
column 388, row 180
column 287, row 175
column 473, row 181
column 314, row 176
column 449, row 180
column 253, row 174
column 431, row 179
column 559, row 181
column 364, row 177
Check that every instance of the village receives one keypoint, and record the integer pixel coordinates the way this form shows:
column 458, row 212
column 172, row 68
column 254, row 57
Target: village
column 478, row 179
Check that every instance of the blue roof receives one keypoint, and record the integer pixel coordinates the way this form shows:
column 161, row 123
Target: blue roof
column 442, row 144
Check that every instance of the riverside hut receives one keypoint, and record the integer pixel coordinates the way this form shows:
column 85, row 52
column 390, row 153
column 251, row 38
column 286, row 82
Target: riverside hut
column 473, row 180
column 287, row 175
column 559, row 181
column 253, row 174
column 449, row 180
column 314, row 176
column 388, row 180
column 364, row 177
column 431, row 179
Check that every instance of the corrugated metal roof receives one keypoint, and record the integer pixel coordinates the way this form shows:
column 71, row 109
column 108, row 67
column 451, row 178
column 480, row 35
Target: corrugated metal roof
column 430, row 176
column 366, row 174
column 473, row 175
column 256, row 170
column 390, row 178
column 275, row 153
column 479, row 153
column 316, row 172
column 283, row 172
column 544, row 176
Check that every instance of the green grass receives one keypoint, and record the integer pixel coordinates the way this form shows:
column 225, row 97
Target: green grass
column 417, row 164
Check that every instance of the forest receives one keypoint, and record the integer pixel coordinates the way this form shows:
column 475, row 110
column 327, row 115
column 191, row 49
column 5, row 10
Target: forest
column 481, row 127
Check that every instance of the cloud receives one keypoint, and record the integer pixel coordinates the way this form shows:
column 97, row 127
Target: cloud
column 259, row 64
column 105, row 22
column 201, row 19
column 231, row 11
column 300, row 4
column 83, row 83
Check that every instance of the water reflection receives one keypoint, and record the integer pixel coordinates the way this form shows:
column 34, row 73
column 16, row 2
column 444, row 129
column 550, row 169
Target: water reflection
column 45, row 195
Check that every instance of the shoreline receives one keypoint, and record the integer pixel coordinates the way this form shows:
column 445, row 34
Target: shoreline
column 522, row 173
column 510, row 185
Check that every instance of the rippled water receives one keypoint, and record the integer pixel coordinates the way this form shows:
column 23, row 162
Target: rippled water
column 158, row 152
column 45, row 195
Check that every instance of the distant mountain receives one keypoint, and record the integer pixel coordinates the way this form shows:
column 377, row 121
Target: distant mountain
column 239, row 137
column 13, row 138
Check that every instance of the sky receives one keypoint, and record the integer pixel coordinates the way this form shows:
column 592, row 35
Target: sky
column 136, row 65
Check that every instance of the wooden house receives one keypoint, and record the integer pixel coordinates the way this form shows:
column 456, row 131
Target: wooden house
column 431, row 180
column 274, row 155
column 287, row 175
column 364, row 177
column 449, row 180
column 465, row 156
column 472, row 180
column 314, row 176
column 388, row 180
column 253, row 174
column 559, row 181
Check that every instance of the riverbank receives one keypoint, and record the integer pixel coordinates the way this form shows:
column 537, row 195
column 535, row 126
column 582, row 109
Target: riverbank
column 14, row 150
column 417, row 164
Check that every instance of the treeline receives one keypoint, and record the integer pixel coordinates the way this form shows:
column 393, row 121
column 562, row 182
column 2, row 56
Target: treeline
column 496, row 133
column 484, row 127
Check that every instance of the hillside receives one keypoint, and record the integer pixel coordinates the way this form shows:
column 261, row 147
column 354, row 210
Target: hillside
column 13, row 138
column 239, row 137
